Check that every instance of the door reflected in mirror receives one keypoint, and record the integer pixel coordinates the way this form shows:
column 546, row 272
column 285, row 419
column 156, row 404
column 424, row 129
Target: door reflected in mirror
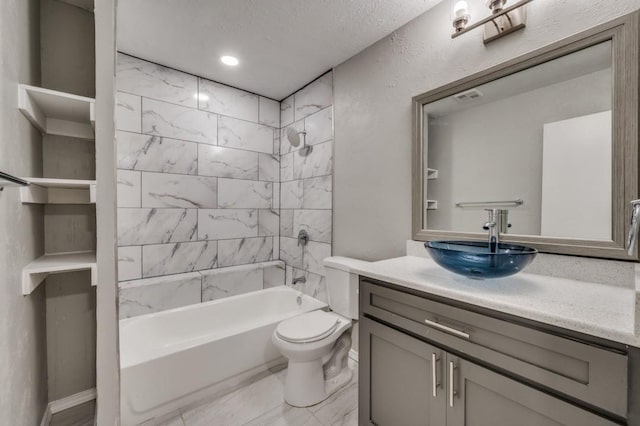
column 537, row 142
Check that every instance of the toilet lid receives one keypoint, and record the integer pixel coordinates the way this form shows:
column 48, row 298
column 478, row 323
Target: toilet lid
column 309, row 327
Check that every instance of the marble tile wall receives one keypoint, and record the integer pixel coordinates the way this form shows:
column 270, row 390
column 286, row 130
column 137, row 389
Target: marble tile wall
column 208, row 179
column 198, row 184
column 306, row 184
column 148, row 295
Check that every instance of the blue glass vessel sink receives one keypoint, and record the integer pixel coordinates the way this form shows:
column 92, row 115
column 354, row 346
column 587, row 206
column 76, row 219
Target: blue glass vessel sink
column 479, row 259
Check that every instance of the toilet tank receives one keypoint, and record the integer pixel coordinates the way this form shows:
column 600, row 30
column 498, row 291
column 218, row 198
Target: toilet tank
column 342, row 285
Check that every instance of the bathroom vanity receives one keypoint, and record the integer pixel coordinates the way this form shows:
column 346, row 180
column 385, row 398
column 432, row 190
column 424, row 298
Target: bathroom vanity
column 437, row 349
column 440, row 349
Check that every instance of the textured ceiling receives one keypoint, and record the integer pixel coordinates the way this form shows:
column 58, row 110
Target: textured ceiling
column 281, row 44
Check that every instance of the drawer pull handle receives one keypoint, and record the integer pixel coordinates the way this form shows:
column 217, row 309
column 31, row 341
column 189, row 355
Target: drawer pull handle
column 452, row 391
column 434, row 374
column 447, row 329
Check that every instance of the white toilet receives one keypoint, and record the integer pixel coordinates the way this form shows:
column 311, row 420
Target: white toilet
column 317, row 343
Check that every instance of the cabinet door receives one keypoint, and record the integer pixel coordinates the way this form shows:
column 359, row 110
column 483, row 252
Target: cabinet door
column 397, row 382
column 477, row 396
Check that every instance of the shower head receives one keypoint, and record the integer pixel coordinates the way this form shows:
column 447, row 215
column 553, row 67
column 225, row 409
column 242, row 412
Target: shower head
column 294, row 139
column 305, row 150
column 294, row 136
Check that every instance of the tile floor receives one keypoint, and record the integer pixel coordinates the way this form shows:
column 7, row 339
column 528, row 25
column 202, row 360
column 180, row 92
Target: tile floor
column 261, row 404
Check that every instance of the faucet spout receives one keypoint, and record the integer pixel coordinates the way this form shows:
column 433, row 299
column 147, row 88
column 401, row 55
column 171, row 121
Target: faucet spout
column 498, row 223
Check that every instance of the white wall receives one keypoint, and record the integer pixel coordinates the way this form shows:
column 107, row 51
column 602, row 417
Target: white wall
column 23, row 368
column 373, row 91
column 576, row 178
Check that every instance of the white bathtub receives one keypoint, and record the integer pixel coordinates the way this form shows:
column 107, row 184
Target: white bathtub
column 173, row 358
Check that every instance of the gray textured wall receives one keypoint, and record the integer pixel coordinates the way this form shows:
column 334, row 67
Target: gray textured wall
column 68, row 65
column 23, row 366
column 373, row 91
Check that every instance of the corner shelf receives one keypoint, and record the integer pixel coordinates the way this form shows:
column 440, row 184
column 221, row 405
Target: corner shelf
column 432, row 174
column 58, row 191
column 58, row 113
column 35, row 272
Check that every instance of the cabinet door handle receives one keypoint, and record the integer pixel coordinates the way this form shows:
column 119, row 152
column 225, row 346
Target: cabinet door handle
column 452, row 391
column 434, row 374
column 446, row 329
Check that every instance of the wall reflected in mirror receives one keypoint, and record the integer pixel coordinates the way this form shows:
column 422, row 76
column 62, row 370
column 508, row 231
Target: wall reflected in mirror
column 537, row 142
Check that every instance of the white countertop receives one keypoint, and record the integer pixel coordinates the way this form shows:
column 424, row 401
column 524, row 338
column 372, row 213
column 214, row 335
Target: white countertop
column 594, row 309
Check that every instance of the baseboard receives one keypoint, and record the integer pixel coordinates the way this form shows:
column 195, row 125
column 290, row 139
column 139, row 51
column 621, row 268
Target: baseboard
column 72, row 400
column 353, row 355
column 46, row 416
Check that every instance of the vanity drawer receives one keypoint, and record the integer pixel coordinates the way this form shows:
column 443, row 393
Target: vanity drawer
column 594, row 375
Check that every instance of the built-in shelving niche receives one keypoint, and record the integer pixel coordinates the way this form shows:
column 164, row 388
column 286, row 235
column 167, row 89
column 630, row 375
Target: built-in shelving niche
column 36, row 272
column 63, row 114
column 58, row 113
column 58, row 191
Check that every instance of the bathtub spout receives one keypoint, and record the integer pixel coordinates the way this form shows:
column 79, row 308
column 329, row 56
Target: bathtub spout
column 301, row 279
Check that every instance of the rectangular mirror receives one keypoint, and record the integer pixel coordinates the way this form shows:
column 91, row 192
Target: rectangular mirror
column 550, row 136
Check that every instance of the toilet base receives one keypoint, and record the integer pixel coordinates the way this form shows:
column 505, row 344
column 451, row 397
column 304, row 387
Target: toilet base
column 305, row 384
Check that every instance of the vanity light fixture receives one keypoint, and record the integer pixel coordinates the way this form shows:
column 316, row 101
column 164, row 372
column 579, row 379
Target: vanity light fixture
column 232, row 61
column 461, row 15
column 503, row 20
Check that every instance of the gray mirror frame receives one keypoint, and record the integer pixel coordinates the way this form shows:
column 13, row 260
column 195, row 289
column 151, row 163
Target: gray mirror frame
column 623, row 32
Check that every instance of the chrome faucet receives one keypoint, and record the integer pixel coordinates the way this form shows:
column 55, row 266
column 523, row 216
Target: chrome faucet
column 635, row 225
column 498, row 223
column 301, row 279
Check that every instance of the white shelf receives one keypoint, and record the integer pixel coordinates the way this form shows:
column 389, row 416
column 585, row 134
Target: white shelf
column 35, row 272
column 432, row 204
column 432, row 174
column 57, row 113
column 58, row 191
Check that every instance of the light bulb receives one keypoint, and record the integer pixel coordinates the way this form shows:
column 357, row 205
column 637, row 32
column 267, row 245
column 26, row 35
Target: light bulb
column 460, row 9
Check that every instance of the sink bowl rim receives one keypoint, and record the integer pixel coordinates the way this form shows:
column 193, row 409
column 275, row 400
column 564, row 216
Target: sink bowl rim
column 519, row 250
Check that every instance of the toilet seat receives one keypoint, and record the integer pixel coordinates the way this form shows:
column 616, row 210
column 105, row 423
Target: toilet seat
column 307, row 328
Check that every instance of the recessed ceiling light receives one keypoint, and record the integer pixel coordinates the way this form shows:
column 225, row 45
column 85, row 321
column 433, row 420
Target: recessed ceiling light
column 230, row 60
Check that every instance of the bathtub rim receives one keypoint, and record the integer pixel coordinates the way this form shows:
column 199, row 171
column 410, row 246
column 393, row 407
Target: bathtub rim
column 316, row 305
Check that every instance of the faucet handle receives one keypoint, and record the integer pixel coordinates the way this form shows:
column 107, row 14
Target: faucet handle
column 303, row 238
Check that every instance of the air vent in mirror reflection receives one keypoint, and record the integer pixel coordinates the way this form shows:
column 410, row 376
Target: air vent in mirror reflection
column 468, row 95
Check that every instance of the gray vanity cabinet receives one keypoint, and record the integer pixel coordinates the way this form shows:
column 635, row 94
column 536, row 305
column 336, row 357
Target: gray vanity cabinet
column 407, row 382
column 423, row 362
column 482, row 397
column 399, row 385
